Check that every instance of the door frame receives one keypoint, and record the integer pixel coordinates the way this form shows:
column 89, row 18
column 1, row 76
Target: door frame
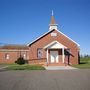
column 57, row 56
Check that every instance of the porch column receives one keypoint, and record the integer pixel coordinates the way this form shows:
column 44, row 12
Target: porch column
column 47, row 56
column 63, row 55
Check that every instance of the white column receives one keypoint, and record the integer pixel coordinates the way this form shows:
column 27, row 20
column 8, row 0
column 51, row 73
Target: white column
column 63, row 55
column 47, row 56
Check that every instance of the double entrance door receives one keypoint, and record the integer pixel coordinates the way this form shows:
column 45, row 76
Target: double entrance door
column 54, row 57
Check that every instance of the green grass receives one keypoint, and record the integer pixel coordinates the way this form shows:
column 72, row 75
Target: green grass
column 84, row 63
column 25, row 67
column 82, row 66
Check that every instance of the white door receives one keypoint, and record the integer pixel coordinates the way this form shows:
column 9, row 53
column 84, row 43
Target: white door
column 54, row 56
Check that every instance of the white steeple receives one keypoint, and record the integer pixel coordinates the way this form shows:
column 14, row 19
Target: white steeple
column 52, row 24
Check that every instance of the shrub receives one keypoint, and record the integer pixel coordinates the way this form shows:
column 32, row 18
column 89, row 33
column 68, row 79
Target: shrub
column 20, row 61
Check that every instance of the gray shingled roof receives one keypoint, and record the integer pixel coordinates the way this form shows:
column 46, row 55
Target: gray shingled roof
column 18, row 47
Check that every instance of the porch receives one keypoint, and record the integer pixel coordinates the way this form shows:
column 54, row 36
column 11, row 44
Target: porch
column 55, row 54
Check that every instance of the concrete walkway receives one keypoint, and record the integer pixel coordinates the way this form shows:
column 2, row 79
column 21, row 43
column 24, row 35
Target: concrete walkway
column 3, row 67
column 59, row 67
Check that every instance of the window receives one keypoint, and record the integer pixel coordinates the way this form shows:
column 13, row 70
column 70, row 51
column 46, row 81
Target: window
column 24, row 56
column 54, row 34
column 6, row 56
column 39, row 53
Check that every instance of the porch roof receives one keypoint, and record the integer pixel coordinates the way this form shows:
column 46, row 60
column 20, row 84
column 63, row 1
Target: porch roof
column 54, row 45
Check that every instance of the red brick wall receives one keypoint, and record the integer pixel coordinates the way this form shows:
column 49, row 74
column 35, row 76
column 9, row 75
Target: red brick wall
column 48, row 39
column 13, row 55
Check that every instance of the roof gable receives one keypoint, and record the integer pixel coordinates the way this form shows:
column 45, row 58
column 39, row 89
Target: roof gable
column 50, row 32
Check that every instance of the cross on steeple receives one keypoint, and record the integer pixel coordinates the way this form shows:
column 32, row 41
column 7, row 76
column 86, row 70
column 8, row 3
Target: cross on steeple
column 52, row 12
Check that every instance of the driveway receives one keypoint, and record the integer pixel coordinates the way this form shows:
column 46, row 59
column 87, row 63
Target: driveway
column 45, row 80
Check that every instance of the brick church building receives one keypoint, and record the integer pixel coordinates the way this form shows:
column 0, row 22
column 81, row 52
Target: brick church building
column 51, row 48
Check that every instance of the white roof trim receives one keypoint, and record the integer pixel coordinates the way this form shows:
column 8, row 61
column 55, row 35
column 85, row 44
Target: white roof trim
column 51, row 45
column 68, row 37
column 39, row 37
column 50, row 31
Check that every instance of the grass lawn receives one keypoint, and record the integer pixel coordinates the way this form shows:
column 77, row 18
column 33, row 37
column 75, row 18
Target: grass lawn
column 25, row 67
column 84, row 63
column 82, row 66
